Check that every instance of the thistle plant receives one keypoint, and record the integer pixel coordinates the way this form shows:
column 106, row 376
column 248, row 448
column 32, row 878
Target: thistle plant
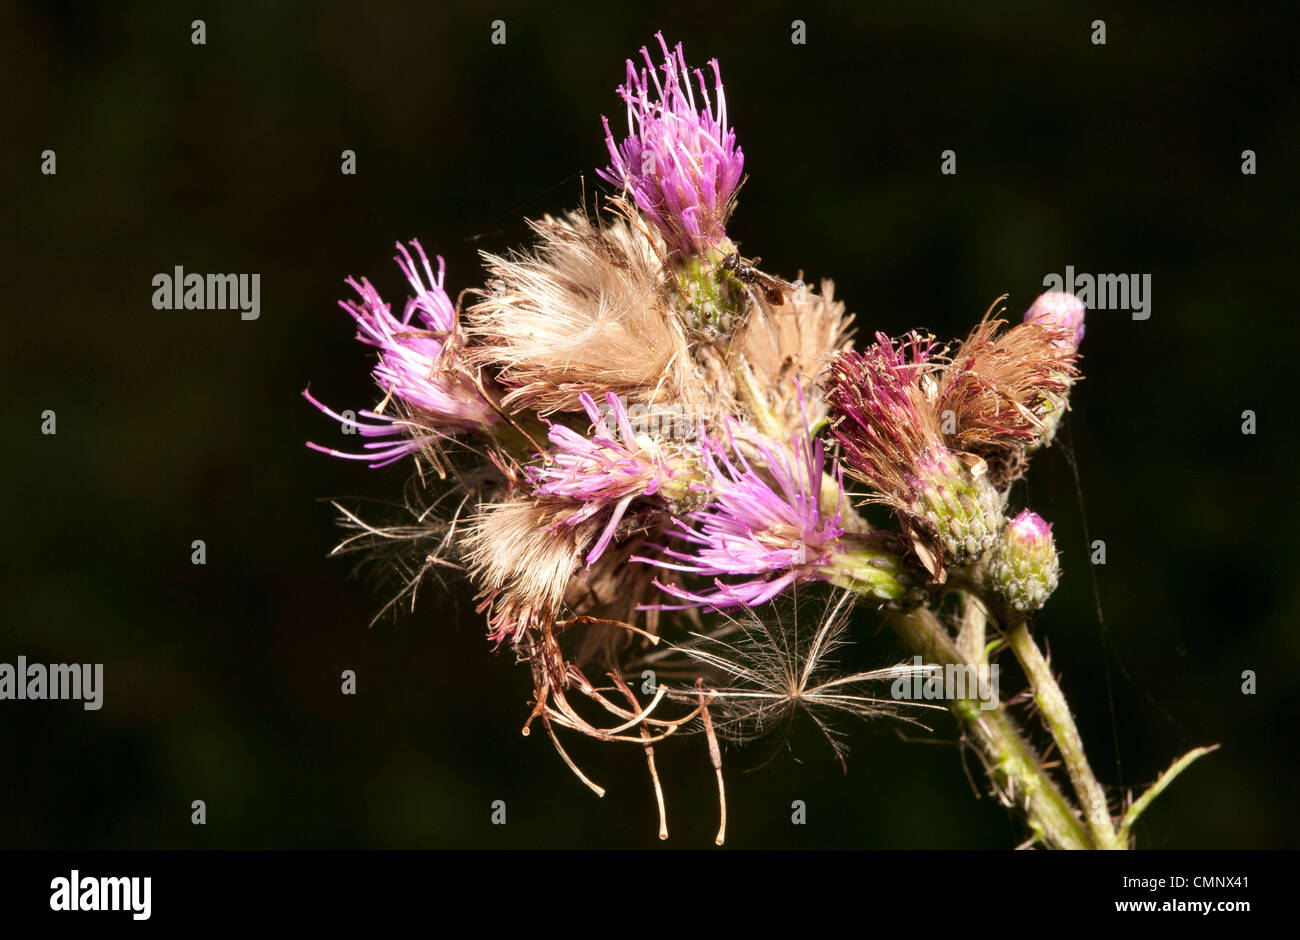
column 645, row 453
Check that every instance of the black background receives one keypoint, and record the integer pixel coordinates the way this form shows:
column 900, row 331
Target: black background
column 222, row 681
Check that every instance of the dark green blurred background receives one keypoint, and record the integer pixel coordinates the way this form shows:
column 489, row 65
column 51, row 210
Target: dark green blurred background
column 222, row 682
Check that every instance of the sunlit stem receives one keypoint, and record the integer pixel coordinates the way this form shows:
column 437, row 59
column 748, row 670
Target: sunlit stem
column 1056, row 714
column 1011, row 763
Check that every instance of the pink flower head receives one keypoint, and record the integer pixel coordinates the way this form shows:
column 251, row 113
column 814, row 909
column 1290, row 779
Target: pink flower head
column 765, row 524
column 885, row 423
column 1060, row 311
column 881, row 419
column 680, row 162
column 602, row 471
column 418, row 365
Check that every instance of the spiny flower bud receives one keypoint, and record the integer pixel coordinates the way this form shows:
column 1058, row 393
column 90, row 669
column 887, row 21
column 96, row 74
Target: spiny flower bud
column 1023, row 566
column 961, row 511
column 1060, row 311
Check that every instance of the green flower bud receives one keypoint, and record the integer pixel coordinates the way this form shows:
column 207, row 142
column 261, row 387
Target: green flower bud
column 960, row 510
column 1023, row 565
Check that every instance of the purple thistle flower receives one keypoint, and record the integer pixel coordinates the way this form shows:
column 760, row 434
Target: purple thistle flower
column 882, row 422
column 600, row 471
column 680, row 162
column 769, row 526
column 887, row 427
column 409, row 438
column 1059, row 311
column 418, row 365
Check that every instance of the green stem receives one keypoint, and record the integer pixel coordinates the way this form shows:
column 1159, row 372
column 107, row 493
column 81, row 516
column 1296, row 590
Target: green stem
column 1008, row 757
column 1056, row 713
column 974, row 621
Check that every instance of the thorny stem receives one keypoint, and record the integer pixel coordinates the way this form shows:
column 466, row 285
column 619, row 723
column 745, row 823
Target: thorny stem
column 1010, row 760
column 1056, row 713
column 1048, row 697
